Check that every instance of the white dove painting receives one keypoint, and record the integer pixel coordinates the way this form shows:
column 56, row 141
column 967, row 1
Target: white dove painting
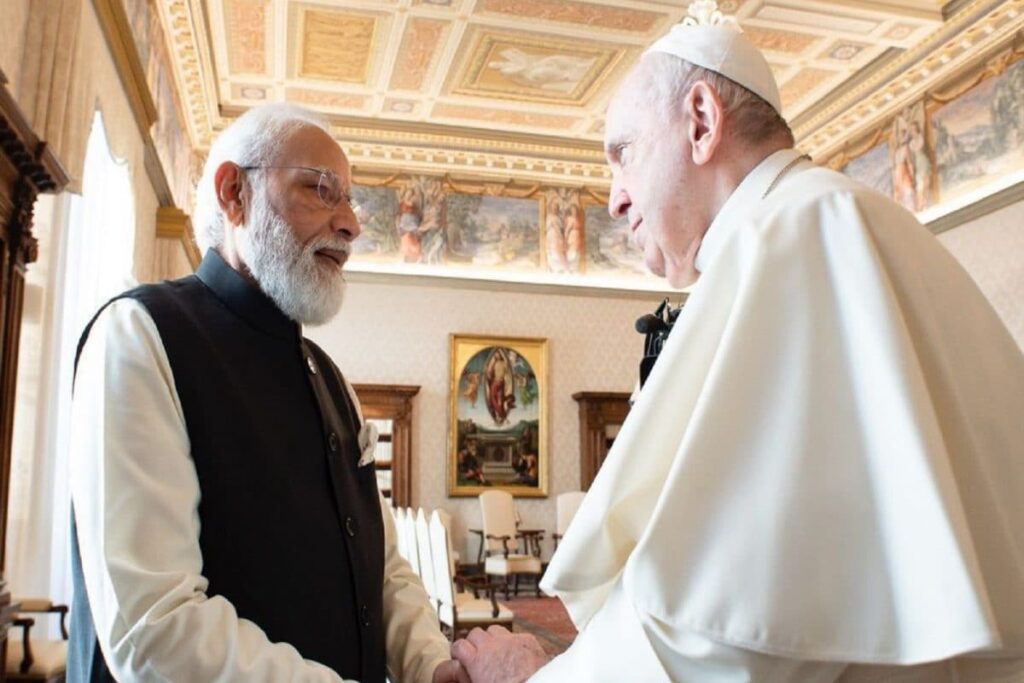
column 552, row 73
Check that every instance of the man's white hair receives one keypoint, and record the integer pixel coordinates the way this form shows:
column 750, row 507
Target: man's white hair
column 253, row 139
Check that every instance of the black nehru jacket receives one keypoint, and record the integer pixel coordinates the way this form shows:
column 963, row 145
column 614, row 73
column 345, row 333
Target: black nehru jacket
column 291, row 527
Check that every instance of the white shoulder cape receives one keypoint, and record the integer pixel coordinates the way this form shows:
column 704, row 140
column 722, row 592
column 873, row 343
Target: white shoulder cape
column 827, row 461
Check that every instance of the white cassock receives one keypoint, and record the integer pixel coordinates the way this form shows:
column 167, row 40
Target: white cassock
column 823, row 478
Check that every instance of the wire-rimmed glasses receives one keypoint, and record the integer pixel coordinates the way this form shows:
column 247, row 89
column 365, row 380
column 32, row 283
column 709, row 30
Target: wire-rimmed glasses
column 328, row 187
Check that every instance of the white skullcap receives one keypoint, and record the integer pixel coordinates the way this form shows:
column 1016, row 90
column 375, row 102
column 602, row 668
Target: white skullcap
column 725, row 51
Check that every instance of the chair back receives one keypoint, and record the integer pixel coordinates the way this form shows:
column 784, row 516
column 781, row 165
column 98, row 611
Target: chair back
column 499, row 518
column 400, row 515
column 566, row 506
column 446, row 520
column 426, row 554
column 441, row 547
column 411, row 544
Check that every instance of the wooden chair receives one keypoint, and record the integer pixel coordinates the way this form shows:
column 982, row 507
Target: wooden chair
column 39, row 660
column 458, row 610
column 501, row 541
column 566, row 505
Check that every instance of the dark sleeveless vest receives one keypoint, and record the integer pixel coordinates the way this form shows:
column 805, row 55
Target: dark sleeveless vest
column 291, row 528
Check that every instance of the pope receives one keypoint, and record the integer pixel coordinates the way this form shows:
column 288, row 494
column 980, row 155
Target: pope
column 821, row 478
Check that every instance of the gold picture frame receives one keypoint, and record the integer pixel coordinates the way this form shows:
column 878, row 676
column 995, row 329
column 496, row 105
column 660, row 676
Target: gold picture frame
column 498, row 415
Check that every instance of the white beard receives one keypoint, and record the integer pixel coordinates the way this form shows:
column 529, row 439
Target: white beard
column 306, row 289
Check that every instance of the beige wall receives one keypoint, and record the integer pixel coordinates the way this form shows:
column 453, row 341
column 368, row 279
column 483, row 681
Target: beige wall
column 991, row 248
column 398, row 334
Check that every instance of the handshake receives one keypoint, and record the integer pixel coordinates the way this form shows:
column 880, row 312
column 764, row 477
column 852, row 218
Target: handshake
column 492, row 656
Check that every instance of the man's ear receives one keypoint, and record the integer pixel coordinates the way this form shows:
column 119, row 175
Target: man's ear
column 230, row 188
column 706, row 119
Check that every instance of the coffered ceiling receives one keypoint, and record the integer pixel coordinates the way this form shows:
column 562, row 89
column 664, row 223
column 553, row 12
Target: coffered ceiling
column 517, row 89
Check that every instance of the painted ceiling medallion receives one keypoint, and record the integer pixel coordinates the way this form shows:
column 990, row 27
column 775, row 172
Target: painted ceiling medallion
column 706, row 13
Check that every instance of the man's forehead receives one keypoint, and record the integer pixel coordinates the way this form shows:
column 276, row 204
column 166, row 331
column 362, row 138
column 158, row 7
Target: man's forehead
column 314, row 147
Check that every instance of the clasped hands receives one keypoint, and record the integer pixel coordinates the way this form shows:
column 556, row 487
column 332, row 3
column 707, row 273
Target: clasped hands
column 492, row 656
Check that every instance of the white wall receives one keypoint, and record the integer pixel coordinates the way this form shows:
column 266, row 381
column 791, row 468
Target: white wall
column 398, row 334
column 991, row 248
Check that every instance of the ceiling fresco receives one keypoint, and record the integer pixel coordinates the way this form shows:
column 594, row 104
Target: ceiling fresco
column 517, row 89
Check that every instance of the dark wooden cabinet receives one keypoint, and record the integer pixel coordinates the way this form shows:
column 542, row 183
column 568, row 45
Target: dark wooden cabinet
column 601, row 415
column 27, row 168
column 390, row 407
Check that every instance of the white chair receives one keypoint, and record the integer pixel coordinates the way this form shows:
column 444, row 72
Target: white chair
column 426, row 555
column 459, row 610
column 38, row 659
column 400, row 515
column 566, row 505
column 446, row 519
column 500, row 538
column 411, row 545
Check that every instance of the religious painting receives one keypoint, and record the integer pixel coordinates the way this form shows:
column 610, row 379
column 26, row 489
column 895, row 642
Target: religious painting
column 533, row 67
column 493, row 232
column 611, row 250
column 497, row 432
column 377, row 211
column 978, row 136
column 421, row 222
column 911, row 160
column 872, row 168
column 563, row 230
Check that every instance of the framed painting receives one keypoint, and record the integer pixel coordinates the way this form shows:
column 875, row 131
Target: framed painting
column 498, row 430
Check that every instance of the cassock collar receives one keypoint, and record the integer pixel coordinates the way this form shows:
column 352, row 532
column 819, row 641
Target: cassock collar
column 243, row 298
column 742, row 203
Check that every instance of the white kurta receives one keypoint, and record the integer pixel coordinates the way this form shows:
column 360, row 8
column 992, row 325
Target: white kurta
column 825, row 466
column 135, row 492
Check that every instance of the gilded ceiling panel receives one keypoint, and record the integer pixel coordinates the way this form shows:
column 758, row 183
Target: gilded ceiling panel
column 321, row 98
column 416, row 53
column 773, row 40
column 246, row 31
column 534, row 68
column 801, row 85
column 332, row 45
column 580, row 13
column 518, row 118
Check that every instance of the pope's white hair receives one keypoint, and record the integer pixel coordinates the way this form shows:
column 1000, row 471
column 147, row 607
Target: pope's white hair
column 253, row 139
column 752, row 117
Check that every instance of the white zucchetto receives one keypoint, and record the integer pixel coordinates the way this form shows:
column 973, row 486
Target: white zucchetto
column 722, row 48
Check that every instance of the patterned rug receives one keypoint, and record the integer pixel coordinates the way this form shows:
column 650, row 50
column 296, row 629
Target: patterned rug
column 546, row 619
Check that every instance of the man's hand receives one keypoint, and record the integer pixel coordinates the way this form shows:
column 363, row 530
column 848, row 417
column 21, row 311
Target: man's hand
column 498, row 656
column 450, row 672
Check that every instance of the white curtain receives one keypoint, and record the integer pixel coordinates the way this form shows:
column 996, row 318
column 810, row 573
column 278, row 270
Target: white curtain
column 89, row 260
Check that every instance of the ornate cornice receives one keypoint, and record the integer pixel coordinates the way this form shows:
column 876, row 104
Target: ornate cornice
column 974, row 32
column 192, row 63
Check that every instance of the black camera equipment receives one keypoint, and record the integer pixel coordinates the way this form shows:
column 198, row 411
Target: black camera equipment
column 656, row 327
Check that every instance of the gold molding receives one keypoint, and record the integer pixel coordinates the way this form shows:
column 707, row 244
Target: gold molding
column 118, row 33
column 173, row 223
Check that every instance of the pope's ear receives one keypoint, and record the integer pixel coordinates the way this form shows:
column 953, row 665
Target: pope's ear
column 229, row 184
column 706, row 117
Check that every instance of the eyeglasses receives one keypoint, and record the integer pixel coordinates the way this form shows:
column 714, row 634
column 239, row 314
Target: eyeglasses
column 328, row 187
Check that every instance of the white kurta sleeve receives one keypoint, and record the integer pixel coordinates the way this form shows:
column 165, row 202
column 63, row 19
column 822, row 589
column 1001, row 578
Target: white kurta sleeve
column 412, row 635
column 135, row 493
column 618, row 645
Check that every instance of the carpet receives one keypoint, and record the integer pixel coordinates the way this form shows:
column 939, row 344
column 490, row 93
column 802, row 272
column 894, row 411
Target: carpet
column 546, row 619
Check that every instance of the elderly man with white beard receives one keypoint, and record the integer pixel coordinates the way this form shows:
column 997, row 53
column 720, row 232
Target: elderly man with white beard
column 227, row 524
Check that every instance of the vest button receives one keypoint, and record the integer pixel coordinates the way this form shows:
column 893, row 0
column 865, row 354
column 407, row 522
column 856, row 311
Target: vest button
column 332, row 442
column 311, row 364
column 364, row 614
column 350, row 527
